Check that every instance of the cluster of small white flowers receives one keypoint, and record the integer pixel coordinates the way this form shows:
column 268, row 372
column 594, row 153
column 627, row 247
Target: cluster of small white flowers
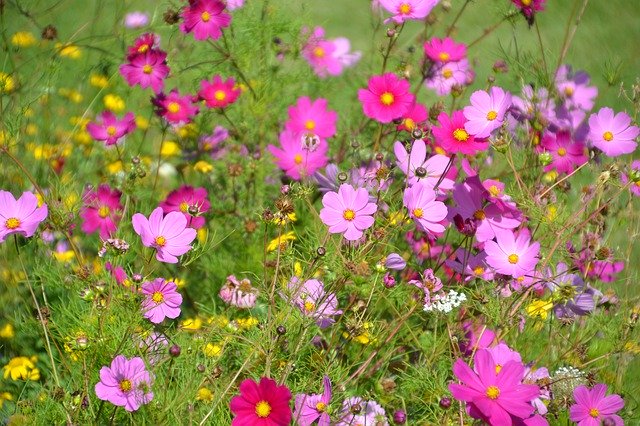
column 445, row 302
column 568, row 372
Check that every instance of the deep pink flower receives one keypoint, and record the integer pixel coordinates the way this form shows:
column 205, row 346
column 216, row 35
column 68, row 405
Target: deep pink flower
column 511, row 255
column 101, row 211
column 264, row 404
column 143, row 44
column 386, row 98
column 297, row 160
column 452, row 136
column 448, row 75
column 312, row 117
column 126, row 383
column 592, row 407
column 434, row 167
column 309, row 408
column 348, row 211
column 403, row 10
column 148, row 69
column 416, row 118
column 486, row 112
column 168, row 235
column 21, row 216
column 444, row 50
column 328, row 57
column 176, row 109
column 566, row 153
column 420, row 201
column 612, row 134
column 192, row 202
column 161, row 300
column 109, row 129
column 529, row 7
column 205, row 19
column 219, row 93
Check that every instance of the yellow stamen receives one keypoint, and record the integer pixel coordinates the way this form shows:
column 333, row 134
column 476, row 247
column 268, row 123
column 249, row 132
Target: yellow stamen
column 526, row 2
column 568, row 91
column 297, row 159
column 444, row 56
column 594, row 412
column 387, row 98
column 607, row 136
column 157, row 297
column 409, row 124
column 349, row 214
column 318, row 52
column 478, row 270
column 205, row 16
column 460, row 135
column 125, row 385
column 494, row 191
column 562, row 152
column 493, row 392
column 173, row 107
column 103, row 211
column 418, row 213
column 143, row 48
column 12, row 223
column 513, row 258
column 480, row 214
column 405, row 9
column 447, row 73
column 161, row 241
column 309, row 124
column 492, row 115
column 263, row 409
column 184, row 207
column 498, row 368
column 147, row 69
column 220, row 95
column 309, row 307
column 111, row 130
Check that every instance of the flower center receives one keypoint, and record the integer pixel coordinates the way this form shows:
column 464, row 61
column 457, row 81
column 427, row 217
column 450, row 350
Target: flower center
column 607, row 136
column 480, row 214
column 143, row 48
column 387, row 98
column 349, row 214
column 297, row 159
column 318, row 52
column 219, row 95
column 460, row 135
column 147, row 69
column 498, row 368
column 321, row 407
column 309, row 124
column 444, row 56
column 594, row 412
column 111, row 130
column 447, row 73
column 12, row 223
column 513, row 258
column 125, row 385
column 184, row 207
column 309, row 306
column 157, row 297
column 263, row 409
column 493, row 392
column 409, row 123
column 405, row 8
column 103, row 211
column 205, row 16
column 173, row 107
column 526, row 2
column 418, row 213
column 568, row 91
column 562, row 152
column 492, row 115
column 478, row 270
column 161, row 241
column 494, row 191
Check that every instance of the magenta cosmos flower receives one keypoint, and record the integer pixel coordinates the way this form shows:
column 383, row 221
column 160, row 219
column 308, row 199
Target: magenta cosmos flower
column 161, row 300
column 168, row 235
column 612, row 134
column 219, row 93
column 592, row 407
column 387, row 98
column 309, row 408
column 494, row 395
column 109, row 129
column 403, row 10
column 566, row 153
column 511, row 255
column 175, row 108
column 452, row 136
column 146, row 69
column 416, row 118
column 635, row 186
column 420, row 201
column 126, row 383
column 529, row 7
column 205, row 19
column 308, row 116
column 486, row 112
column 101, row 211
column 192, row 202
column 21, row 216
column 328, row 57
column 348, row 211
column 297, row 160
column 263, row 404
column 444, row 50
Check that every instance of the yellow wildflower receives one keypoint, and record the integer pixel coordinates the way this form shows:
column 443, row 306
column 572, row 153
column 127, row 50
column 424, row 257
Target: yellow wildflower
column 219, row 321
column 5, row 396
column 98, row 80
column 113, row 102
column 142, row 123
column 31, row 129
column 170, row 149
column 7, row 83
column 191, row 324
column 22, row 368
column 203, row 167
column 64, row 256
column 202, row 235
column 539, row 308
column 281, row 241
column 550, row 177
column 71, row 94
column 23, row 39
column 7, row 331
column 552, row 213
column 204, row 394
column 179, row 282
column 212, row 350
column 188, row 130
column 115, row 167
column 68, row 50
column 632, row 347
column 283, row 220
column 247, row 323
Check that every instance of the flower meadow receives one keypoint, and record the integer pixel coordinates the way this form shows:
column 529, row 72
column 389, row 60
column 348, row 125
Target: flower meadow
column 232, row 213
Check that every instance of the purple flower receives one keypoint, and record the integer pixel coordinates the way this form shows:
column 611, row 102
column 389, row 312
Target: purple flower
column 612, row 134
column 162, row 300
column 592, row 407
column 574, row 89
column 168, row 235
column 313, row 301
column 448, row 75
column 126, row 383
column 21, row 216
column 309, row 408
column 371, row 413
column 486, row 112
column 434, row 168
column 136, row 20
column 471, row 266
column 395, row 262
column 569, row 293
column 348, row 211
column 420, row 201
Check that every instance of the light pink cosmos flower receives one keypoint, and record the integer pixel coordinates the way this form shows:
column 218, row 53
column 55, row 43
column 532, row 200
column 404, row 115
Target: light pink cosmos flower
column 511, row 255
column 136, row 19
column 348, row 211
column 219, row 93
column 403, row 10
column 297, row 160
column 192, row 202
column 592, row 407
column 420, row 201
column 448, row 75
column 452, row 136
column 239, row 293
column 328, row 57
column 386, row 98
column 470, row 265
column 486, row 112
column 434, row 167
column 313, row 117
column 566, row 153
column 313, row 301
column 612, row 134
column 205, row 19
column 126, row 383
column 309, row 408
column 444, row 50
column 175, row 108
column 147, row 69
column 109, row 129
column 234, row 4
column 168, row 235
column 635, row 187
column 574, row 89
column 101, row 211
column 21, row 216
column 161, row 300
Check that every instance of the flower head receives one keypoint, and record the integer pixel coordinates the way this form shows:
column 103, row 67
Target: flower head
column 22, row 368
column 512, row 255
column 309, row 408
column 328, row 57
column 161, row 300
column 313, row 301
column 433, row 170
column 168, row 235
column 566, row 153
column 452, row 136
column 191, row 202
column 219, row 93
column 612, row 134
column 574, row 89
column 403, row 10
column 348, row 211
column 386, row 98
column 486, row 112
column 205, row 19
column 449, row 75
column 444, row 50
column 261, row 404
column 126, row 383
column 239, row 293
column 109, row 129
column 295, row 158
column 136, row 19
column 593, row 406
column 312, row 117
column 148, row 69
column 101, row 211
column 21, row 216
column 175, row 108
column 424, row 209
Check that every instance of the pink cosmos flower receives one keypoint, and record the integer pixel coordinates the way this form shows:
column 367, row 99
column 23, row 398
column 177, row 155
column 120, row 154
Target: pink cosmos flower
column 234, row 4
column 566, row 153
column 477, row 337
column 471, row 266
column 297, row 160
column 21, row 216
column 612, row 134
column 239, row 293
column 263, row 404
column 429, row 284
column 168, row 235
column 635, row 187
column 452, row 136
column 176, row 109
column 416, row 118
column 403, row 10
column 370, row 413
column 101, row 211
column 161, row 300
column 486, row 112
column 136, row 19
column 386, row 98
column 143, row 44
column 205, row 19
column 496, row 396
column 109, row 129
column 449, row 75
column 511, row 255
column 309, row 408
column 420, row 201
column 192, row 202
column 312, row 117
column 444, row 50
column 592, row 407
column 148, row 69
column 328, row 57
column 574, row 89
column 529, row 7
column 219, row 93
column 126, row 383
column 348, row 211
column 313, row 301
column 434, row 167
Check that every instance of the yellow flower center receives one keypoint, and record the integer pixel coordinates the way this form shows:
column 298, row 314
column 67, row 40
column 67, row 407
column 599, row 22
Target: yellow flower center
column 513, row 258
column 297, row 159
column 607, row 136
column 492, row 115
column 418, row 213
column 161, row 241
column 318, row 52
column 111, row 130
column 568, row 91
column 405, row 8
column 444, row 56
column 594, row 412
column 219, row 95
column 494, row 191
column 478, row 270
column 349, row 214
column 387, row 98
column 184, row 207
column 498, row 368
column 103, row 211
column 12, row 223
column 173, row 107
column 321, row 407
column 147, row 69
column 205, row 16
column 143, row 48
column 263, row 409
column 447, row 73
column 493, row 392
column 460, row 135
column 309, row 124
column 125, row 385
column 526, row 2
column 157, row 297
column 562, row 152
column 309, row 306
column 480, row 214
column 409, row 123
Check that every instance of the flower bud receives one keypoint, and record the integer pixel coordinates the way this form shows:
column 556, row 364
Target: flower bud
column 399, row 417
column 545, row 158
column 391, row 33
column 445, row 402
column 389, row 280
column 174, row 351
column 281, row 330
column 417, row 133
column 342, row 177
column 321, row 251
column 420, row 172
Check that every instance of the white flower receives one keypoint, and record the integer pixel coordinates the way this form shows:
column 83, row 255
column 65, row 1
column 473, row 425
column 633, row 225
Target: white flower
column 445, row 302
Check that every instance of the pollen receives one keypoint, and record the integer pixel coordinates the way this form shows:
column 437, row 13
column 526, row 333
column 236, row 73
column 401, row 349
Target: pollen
column 478, row 270
column 318, row 52
column 409, row 123
column 404, row 9
column 594, row 412
column 607, row 136
column 12, row 223
column 479, row 214
column 184, row 207
column 297, row 159
column 513, row 258
column 493, row 392
column 143, row 48
column 111, row 130
column 321, row 407
column 492, row 115
column 161, row 241
column 206, row 16
column 494, row 190
column 147, row 69
column 447, row 73
column 568, row 91
column 418, row 213
column 444, row 56
column 220, row 95
column 263, row 409
column 387, row 98
column 125, row 385
column 309, row 124
column 157, row 297
column 460, row 135
column 309, row 307
column 349, row 214
column 173, row 107
column 498, row 368
column 562, row 152
column 103, row 211
column 526, row 2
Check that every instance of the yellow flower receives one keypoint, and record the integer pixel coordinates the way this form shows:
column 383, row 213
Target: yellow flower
column 99, row 81
column 115, row 167
column 283, row 220
column 364, row 337
column 281, row 241
column 247, row 323
column 552, row 213
column 179, row 282
column 204, row 394
column 212, row 350
column 5, row 396
column 31, row 129
column 170, row 149
column 23, row 39
column 68, row 50
column 7, row 83
column 396, row 217
column 142, row 123
column 7, row 331
column 191, row 324
column 203, row 167
column 539, row 308
column 113, row 102
column 632, row 347
column 71, row 94
column 188, row 130
column 219, row 321
column 550, row 177
column 22, row 368
column 64, row 256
